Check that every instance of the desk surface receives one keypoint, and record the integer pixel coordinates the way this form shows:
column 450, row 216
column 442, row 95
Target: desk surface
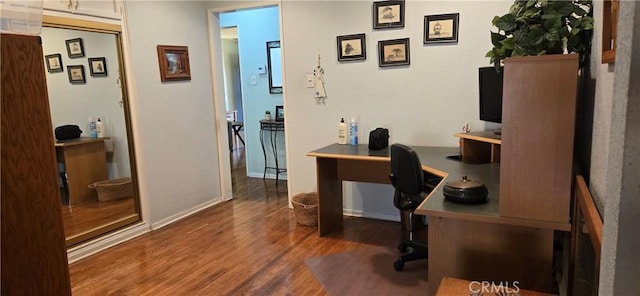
column 79, row 141
column 434, row 160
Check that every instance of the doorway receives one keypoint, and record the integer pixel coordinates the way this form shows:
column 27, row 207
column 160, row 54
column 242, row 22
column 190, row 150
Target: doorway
column 254, row 26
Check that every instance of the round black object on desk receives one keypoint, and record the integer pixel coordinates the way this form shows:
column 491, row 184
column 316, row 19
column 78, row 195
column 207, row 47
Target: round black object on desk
column 465, row 191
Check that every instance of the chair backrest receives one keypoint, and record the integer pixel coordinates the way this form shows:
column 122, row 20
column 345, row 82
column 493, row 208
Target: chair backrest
column 406, row 170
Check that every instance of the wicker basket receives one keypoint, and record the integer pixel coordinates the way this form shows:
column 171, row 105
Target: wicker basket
column 114, row 189
column 305, row 206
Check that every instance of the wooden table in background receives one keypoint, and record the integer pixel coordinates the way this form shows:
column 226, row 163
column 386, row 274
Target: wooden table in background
column 85, row 162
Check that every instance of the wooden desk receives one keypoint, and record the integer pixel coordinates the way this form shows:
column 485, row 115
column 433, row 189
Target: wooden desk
column 480, row 147
column 85, row 162
column 471, row 241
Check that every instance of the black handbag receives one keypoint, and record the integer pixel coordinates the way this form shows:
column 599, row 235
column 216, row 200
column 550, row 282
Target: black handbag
column 67, row 132
column 378, row 139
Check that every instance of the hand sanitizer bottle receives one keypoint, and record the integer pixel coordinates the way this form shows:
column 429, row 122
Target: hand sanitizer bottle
column 353, row 131
column 342, row 132
column 92, row 128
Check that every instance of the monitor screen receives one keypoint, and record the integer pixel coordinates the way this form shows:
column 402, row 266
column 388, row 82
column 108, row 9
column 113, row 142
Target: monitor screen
column 491, row 94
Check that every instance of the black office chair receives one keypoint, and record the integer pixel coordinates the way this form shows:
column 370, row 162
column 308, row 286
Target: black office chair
column 408, row 180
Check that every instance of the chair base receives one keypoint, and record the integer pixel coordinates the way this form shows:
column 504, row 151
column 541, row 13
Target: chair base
column 418, row 251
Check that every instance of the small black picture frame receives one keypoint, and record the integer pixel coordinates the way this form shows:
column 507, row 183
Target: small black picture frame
column 98, row 66
column 54, row 63
column 394, row 52
column 75, row 48
column 388, row 14
column 76, row 74
column 279, row 113
column 441, row 28
column 352, row 47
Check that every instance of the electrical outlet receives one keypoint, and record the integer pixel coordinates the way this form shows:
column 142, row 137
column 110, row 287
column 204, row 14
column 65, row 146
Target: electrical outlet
column 310, row 81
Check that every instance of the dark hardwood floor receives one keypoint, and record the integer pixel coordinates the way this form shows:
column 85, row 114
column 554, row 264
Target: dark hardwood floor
column 250, row 245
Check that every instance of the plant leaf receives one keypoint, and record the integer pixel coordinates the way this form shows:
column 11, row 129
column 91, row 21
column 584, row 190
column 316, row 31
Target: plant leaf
column 496, row 38
column 506, row 23
column 562, row 7
column 553, row 23
column 552, row 35
column 579, row 11
column 535, row 36
column 508, row 43
column 490, row 54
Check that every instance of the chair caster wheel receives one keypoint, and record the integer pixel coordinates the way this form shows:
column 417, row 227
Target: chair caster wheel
column 402, row 248
column 398, row 265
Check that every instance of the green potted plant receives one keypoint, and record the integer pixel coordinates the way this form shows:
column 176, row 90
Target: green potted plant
column 538, row 27
column 267, row 115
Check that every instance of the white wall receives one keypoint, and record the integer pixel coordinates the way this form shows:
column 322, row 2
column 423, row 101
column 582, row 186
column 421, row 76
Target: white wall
column 176, row 120
column 422, row 104
column 100, row 96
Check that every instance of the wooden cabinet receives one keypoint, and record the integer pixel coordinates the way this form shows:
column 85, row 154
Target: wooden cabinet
column 100, row 8
column 538, row 118
column 34, row 255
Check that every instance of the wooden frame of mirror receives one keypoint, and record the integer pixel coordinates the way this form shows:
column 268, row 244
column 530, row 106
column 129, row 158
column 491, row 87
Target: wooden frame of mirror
column 116, row 30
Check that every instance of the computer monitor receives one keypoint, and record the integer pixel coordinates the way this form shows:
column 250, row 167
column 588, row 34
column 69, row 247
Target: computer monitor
column 490, row 82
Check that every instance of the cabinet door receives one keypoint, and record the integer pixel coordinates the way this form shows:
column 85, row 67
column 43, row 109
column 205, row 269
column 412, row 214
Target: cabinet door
column 99, row 8
column 34, row 255
column 538, row 119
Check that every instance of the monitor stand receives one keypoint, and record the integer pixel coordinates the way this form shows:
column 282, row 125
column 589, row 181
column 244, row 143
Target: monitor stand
column 498, row 132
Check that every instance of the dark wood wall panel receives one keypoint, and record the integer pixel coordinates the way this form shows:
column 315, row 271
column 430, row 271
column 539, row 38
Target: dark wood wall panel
column 34, row 258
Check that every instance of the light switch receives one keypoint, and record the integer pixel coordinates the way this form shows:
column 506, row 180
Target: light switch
column 254, row 79
column 310, row 81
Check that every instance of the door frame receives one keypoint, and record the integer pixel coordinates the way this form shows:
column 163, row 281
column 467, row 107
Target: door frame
column 215, row 51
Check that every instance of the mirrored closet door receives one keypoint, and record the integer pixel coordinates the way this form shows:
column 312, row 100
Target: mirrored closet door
column 86, row 88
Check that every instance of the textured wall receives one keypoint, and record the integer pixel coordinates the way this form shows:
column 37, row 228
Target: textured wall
column 620, row 262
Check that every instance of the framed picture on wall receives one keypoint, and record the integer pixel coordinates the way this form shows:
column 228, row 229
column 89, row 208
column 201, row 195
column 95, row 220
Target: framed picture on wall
column 352, row 47
column 279, row 113
column 388, row 14
column 442, row 28
column 76, row 74
column 393, row 52
column 174, row 63
column 54, row 63
column 75, row 48
column 98, row 66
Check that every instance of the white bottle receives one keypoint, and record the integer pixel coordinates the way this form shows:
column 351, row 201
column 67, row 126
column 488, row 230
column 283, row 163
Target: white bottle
column 93, row 133
column 342, row 132
column 353, row 131
column 99, row 128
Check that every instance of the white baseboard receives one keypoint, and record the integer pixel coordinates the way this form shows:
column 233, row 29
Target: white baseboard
column 357, row 213
column 104, row 242
column 267, row 176
column 184, row 214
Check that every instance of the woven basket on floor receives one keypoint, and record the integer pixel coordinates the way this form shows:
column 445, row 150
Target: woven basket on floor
column 114, row 189
column 305, row 206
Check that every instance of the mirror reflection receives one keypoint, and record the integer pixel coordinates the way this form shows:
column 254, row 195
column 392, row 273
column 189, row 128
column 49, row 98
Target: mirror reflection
column 274, row 58
column 85, row 89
